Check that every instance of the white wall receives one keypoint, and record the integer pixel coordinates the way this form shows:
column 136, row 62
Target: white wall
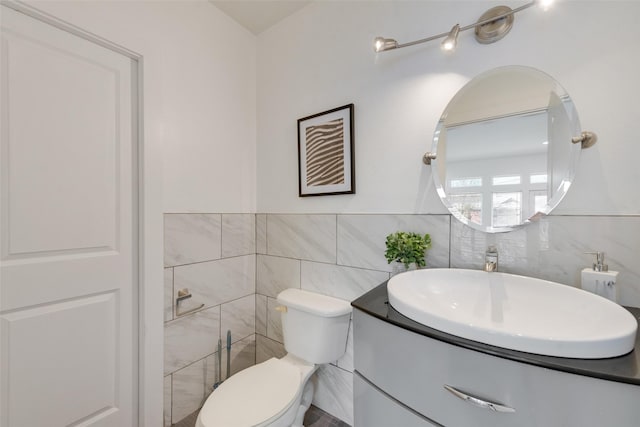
column 322, row 57
column 199, row 89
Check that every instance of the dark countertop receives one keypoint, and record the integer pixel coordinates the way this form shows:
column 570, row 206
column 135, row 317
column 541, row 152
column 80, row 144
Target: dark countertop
column 624, row 369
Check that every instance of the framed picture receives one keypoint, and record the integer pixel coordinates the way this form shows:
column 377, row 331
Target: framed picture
column 326, row 163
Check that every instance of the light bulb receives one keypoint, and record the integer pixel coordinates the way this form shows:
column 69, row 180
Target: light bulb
column 378, row 43
column 448, row 45
column 545, row 4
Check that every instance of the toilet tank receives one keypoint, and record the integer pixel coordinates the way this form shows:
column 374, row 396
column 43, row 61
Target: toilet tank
column 314, row 326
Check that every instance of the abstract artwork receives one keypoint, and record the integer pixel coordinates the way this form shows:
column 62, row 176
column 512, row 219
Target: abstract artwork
column 325, row 153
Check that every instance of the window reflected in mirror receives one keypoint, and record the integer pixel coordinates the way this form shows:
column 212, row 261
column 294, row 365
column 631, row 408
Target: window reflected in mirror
column 506, row 209
column 469, row 205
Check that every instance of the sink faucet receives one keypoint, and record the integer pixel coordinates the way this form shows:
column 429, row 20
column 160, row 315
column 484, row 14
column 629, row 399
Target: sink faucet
column 491, row 259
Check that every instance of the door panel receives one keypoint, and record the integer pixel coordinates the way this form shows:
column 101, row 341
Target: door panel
column 77, row 355
column 67, row 235
column 48, row 149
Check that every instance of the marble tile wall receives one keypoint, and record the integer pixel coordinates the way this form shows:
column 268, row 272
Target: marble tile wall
column 343, row 256
column 554, row 249
column 212, row 255
column 237, row 264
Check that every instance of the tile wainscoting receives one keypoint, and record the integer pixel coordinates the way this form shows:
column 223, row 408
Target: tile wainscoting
column 341, row 255
column 212, row 255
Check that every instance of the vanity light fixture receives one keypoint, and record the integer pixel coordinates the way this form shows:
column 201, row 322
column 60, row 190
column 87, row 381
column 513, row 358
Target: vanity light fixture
column 380, row 44
column 450, row 42
column 493, row 25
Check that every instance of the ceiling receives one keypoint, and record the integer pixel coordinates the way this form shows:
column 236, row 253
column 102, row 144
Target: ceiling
column 258, row 15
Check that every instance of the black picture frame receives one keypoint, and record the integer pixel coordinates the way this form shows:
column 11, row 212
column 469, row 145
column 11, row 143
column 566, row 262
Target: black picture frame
column 326, row 155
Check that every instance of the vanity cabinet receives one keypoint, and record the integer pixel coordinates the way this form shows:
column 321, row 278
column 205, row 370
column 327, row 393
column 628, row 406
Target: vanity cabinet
column 401, row 378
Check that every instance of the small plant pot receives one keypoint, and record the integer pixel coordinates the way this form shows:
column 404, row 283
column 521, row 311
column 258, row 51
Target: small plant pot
column 398, row 267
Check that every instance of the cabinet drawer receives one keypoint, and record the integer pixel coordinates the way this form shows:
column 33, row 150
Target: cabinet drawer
column 415, row 369
column 373, row 408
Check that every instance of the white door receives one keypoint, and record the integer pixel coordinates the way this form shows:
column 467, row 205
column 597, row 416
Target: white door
column 68, row 316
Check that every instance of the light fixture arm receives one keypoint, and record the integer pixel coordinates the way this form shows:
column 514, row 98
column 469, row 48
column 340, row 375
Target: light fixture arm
column 465, row 28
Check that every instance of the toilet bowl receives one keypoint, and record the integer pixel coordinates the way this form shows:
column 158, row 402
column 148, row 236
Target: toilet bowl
column 277, row 393
column 268, row 394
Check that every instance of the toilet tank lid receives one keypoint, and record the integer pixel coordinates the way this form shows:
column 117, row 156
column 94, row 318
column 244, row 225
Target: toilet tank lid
column 311, row 302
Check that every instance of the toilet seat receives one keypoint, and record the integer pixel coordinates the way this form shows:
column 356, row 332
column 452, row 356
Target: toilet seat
column 255, row 396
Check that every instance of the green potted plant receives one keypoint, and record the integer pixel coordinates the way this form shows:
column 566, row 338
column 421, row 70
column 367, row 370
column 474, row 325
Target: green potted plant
column 407, row 249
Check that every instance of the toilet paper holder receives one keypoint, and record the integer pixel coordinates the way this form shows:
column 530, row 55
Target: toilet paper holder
column 184, row 294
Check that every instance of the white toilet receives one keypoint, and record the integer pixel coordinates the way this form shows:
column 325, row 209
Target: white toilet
column 277, row 393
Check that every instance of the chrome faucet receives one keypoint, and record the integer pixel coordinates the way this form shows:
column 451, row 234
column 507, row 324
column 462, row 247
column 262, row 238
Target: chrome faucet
column 491, row 259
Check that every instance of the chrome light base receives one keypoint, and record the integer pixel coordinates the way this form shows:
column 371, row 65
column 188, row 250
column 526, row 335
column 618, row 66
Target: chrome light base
column 494, row 30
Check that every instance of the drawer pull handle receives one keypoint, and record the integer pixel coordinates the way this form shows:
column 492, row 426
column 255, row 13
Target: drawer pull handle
column 478, row 402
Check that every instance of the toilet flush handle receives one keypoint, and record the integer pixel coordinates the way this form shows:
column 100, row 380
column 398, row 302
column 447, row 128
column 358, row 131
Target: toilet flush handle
column 281, row 308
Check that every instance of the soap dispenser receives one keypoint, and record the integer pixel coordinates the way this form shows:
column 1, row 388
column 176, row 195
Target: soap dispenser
column 599, row 280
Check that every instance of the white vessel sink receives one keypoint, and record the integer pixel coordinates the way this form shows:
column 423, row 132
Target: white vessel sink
column 514, row 312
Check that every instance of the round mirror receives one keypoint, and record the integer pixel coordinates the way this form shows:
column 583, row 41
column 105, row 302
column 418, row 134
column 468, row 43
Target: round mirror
column 503, row 150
